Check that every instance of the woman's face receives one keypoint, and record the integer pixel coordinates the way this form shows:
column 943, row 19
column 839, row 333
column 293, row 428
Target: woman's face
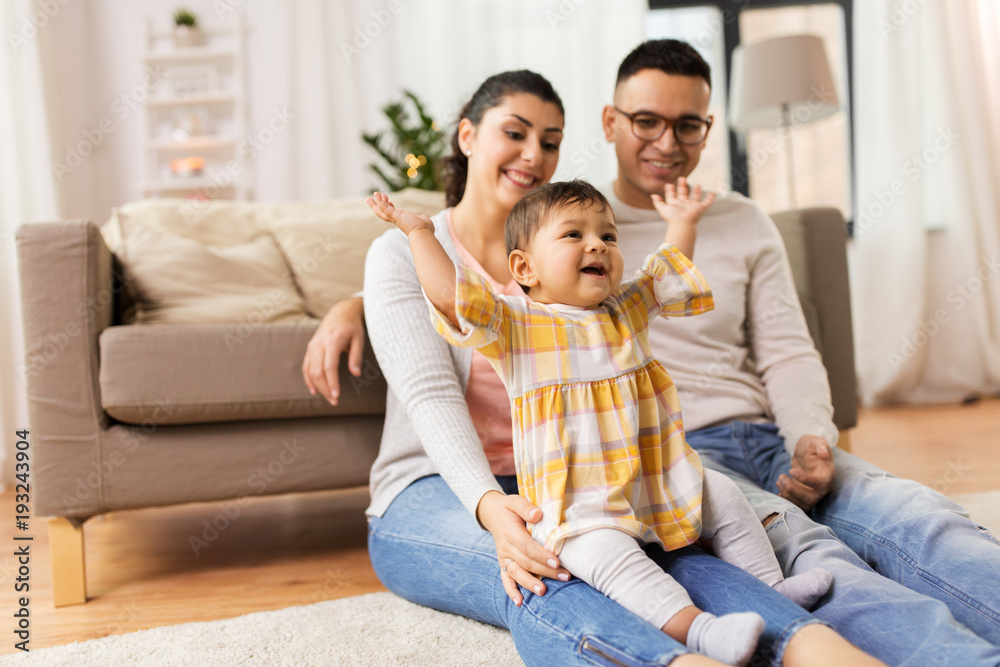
column 515, row 148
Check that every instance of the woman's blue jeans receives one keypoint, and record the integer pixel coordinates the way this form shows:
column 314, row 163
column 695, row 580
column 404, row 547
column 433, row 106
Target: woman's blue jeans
column 428, row 549
column 916, row 582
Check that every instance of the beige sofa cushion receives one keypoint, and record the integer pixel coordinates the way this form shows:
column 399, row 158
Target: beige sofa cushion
column 178, row 280
column 215, row 223
column 326, row 243
column 157, row 375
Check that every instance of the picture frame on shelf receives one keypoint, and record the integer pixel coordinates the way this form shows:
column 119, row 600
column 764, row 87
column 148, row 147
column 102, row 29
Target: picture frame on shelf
column 192, row 80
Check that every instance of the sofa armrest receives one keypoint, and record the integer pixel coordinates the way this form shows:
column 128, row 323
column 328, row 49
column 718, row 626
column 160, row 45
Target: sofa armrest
column 816, row 240
column 67, row 298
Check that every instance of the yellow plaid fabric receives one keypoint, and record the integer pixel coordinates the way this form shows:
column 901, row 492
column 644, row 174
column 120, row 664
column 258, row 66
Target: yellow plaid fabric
column 598, row 435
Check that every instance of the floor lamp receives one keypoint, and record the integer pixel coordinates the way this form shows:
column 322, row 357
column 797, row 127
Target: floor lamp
column 781, row 82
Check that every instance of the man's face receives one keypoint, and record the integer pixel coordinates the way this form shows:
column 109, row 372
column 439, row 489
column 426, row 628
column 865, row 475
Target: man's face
column 645, row 167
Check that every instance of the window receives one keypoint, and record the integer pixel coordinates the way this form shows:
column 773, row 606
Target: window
column 822, row 149
column 702, row 28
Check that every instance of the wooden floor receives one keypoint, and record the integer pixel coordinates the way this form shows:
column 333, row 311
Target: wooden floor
column 295, row 550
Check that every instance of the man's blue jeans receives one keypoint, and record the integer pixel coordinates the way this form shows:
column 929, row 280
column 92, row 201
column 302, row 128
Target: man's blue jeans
column 428, row 549
column 916, row 582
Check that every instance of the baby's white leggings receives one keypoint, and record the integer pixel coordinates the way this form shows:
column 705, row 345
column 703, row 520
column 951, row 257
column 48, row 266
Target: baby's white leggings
column 614, row 563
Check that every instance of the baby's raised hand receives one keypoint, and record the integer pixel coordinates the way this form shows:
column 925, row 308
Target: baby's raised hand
column 678, row 204
column 406, row 221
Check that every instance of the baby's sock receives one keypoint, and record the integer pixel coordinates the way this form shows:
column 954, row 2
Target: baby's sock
column 806, row 588
column 730, row 639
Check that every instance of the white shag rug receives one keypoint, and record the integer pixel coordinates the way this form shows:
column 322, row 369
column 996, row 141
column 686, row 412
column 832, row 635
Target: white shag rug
column 375, row 629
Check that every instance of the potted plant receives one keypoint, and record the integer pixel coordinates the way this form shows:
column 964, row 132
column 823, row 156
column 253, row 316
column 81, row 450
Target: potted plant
column 186, row 31
column 412, row 149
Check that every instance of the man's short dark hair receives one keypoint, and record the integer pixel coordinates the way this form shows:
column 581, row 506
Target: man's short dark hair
column 670, row 56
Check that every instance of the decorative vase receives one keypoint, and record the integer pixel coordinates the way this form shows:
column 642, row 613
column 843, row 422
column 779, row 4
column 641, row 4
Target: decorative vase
column 186, row 36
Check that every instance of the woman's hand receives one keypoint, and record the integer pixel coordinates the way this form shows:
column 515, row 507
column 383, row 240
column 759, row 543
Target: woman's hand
column 521, row 559
column 342, row 329
column 406, row 221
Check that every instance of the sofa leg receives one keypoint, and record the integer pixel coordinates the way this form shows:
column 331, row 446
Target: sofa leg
column 69, row 578
column 844, row 440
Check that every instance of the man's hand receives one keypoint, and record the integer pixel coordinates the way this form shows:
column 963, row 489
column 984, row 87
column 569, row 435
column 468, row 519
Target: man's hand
column 811, row 475
column 342, row 330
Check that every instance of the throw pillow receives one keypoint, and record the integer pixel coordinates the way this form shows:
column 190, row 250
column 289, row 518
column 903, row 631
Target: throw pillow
column 325, row 243
column 217, row 223
column 177, row 280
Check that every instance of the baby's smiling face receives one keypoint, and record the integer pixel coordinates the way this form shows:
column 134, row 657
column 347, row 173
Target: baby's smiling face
column 573, row 258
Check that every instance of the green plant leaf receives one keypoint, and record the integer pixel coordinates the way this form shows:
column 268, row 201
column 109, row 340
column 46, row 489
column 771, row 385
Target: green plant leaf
column 408, row 135
column 184, row 16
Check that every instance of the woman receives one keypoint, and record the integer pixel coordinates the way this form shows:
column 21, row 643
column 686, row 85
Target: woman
column 445, row 468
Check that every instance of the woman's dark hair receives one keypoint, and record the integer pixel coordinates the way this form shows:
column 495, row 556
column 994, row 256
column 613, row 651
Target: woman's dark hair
column 491, row 93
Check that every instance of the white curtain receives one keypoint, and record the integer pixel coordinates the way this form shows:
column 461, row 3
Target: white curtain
column 26, row 193
column 925, row 261
column 320, row 71
column 348, row 59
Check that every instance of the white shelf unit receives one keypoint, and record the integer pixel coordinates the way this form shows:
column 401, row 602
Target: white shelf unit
column 197, row 109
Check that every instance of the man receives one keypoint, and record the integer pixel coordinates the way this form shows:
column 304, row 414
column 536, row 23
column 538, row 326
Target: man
column 756, row 401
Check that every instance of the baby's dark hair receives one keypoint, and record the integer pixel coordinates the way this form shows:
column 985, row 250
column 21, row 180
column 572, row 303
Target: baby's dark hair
column 534, row 208
column 527, row 215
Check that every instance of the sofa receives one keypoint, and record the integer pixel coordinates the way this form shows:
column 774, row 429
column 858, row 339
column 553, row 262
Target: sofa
column 164, row 347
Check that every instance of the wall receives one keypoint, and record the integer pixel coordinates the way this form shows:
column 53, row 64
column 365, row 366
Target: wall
column 314, row 59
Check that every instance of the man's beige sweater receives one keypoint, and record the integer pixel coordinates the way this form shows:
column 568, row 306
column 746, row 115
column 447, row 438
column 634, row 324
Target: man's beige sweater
column 752, row 357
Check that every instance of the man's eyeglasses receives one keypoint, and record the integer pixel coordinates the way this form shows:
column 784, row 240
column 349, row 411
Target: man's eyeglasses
column 688, row 130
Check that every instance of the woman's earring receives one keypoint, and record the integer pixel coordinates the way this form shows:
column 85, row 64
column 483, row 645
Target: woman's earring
column 468, row 153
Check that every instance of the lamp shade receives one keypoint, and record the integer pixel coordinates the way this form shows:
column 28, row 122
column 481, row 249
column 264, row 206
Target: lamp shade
column 792, row 71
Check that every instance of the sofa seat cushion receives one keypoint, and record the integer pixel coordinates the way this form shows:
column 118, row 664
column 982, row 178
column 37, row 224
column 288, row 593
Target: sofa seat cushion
column 175, row 374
